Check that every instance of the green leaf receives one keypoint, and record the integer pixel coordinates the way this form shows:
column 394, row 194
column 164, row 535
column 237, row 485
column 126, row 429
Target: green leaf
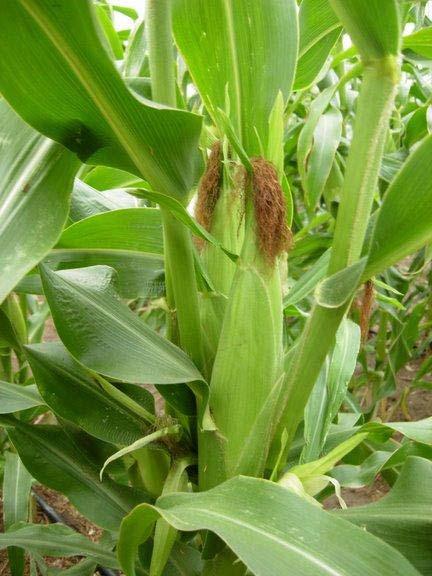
column 222, row 41
column 71, row 392
column 113, row 43
column 88, row 107
column 15, row 397
column 16, row 504
column 87, row 201
column 357, row 476
column 419, row 430
column 36, row 177
column 319, row 32
column 269, row 528
column 336, row 289
column 139, row 274
column 57, row 540
column 55, row 460
column 16, row 491
column 404, row 222
column 182, row 215
column 374, row 26
column 132, row 229
column 165, row 535
column 420, row 42
column 330, row 389
column 307, row 282
column 141, row 443
column 326, row 463
column 105, row 178
column 104, row 335
column 306, row 137
column 403, row 518
column 136, row 59
column 326, row 138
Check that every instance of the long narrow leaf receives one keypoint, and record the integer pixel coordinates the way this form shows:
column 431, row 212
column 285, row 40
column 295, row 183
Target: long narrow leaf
column 87, row 107
column 270, row 529
column 222, row 41
column 105, row 335
column 36, row 177
column 54, row 460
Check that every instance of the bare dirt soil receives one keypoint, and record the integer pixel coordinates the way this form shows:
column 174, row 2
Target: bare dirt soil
column 71, row 517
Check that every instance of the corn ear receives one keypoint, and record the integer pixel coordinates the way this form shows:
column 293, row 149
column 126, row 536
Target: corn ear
column 219, row 209
column 249, row 354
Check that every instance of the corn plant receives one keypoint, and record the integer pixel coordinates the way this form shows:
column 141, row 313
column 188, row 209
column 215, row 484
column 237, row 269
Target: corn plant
column 175, row 201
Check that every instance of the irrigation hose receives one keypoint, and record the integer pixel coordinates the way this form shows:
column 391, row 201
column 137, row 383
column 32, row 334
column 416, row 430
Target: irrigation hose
column 54, row 517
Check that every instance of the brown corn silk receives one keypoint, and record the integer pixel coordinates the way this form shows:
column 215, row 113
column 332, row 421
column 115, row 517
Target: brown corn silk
column 274, row 236
column 210, row 187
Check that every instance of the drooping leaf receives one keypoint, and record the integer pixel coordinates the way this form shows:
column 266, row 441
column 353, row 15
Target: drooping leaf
column 139, row 274
column 88, row 107
column 418, row 430
column 222, row 42
column 57, row 540
column 404, row 221
column 71, row 392
column 87, row 201
column 130, row 229
column 357, row 476
column 56, row 461
column 269, row 528
column 141, row 443
column 36, row 177
column 306, row 284
column 105, row 335
column 403, row 518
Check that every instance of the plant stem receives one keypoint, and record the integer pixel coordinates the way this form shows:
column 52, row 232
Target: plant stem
column 158, row 25
column 364, row 160
column 182, row 280
column 361, row 176
column 182, row 291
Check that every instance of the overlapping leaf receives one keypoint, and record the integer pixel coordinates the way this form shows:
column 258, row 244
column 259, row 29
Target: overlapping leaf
column 105, row 335
column 36, row 177
column 241, row 51
column 269, row 528
column 56, row 461
column 403, row 518
column 87, row 107
column 73, row 394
